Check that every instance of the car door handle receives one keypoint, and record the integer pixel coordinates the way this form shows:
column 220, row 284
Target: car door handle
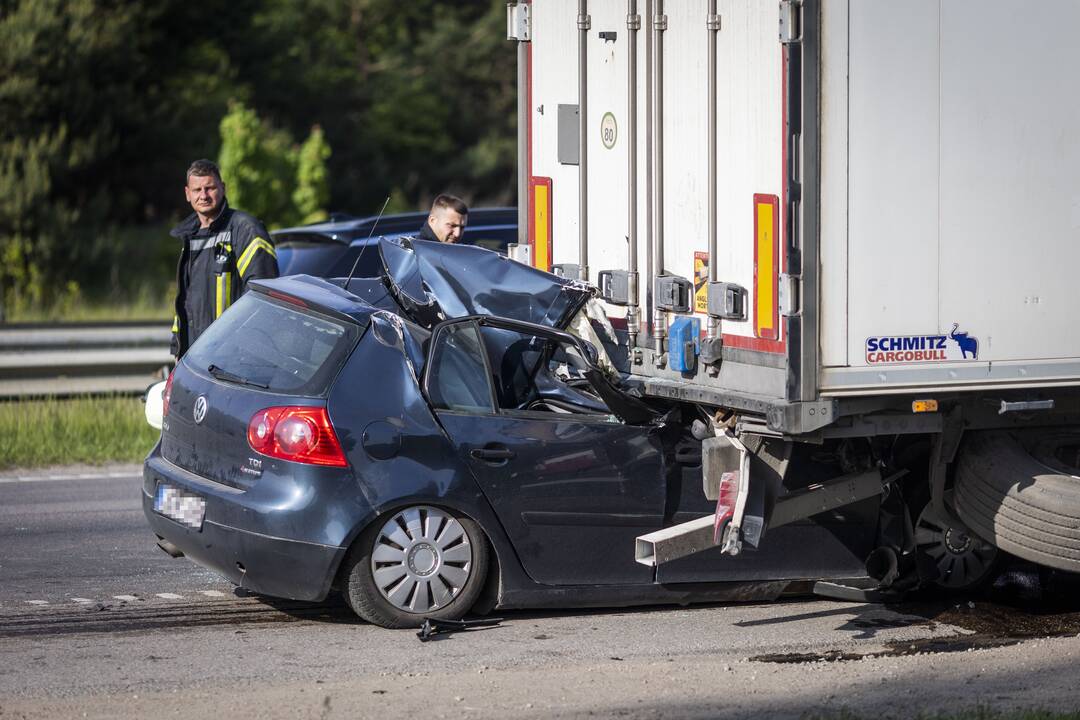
column 493, row 454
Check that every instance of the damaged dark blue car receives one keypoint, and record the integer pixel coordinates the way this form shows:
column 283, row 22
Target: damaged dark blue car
column 452, row 436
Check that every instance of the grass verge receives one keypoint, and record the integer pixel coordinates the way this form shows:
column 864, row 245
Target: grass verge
column 88, row 430
column 141, row 309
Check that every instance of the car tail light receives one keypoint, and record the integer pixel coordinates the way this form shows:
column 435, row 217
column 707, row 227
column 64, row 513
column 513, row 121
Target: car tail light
column 296, row 433
column 287, row 298
column 166, row 396
column 725, row 504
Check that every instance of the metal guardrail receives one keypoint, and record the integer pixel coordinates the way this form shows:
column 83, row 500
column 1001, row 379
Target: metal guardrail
column 79, row 359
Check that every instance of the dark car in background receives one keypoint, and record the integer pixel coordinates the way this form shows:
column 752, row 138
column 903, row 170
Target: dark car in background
column 441, row 439
column 330, row 249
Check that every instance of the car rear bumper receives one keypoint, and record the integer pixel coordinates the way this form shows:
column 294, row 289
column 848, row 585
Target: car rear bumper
column 277, row 566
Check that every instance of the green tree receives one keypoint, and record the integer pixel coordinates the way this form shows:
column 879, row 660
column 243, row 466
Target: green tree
column 103, row 104
column 257, row 163
column 267, row 175
column 51, row 136
column 415, row 98
column 312, row 181
column 99, row 107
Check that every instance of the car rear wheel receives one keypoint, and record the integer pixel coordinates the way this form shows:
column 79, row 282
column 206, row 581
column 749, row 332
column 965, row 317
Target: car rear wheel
column 964, row 561
column 416, row 563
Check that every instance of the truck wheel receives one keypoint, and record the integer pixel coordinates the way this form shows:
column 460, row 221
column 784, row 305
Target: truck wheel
column 419, row 562
column 1026, row 503
column 964, row 561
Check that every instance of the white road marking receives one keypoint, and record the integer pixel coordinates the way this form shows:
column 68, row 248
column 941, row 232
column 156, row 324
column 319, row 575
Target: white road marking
column 84, row 476
column 133, row 598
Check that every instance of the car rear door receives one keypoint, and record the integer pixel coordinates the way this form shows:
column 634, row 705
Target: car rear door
column 572, row 484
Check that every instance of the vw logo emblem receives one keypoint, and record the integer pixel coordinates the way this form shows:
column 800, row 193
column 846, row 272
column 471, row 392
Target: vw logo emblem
column 199, row 411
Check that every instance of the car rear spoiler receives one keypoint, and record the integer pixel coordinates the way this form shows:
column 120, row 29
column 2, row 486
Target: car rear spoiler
column 318, row 295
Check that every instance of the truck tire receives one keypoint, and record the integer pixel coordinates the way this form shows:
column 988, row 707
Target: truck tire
column 1024, row 502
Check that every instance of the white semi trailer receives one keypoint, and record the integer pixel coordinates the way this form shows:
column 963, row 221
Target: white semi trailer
column 845, row 230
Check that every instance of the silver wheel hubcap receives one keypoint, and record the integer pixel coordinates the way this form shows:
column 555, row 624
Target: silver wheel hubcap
column 422, row 559
column 961, row 558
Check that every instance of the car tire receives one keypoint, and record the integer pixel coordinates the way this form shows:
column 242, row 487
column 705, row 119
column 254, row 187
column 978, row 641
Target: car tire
column 1024, row 502
column 415, row 563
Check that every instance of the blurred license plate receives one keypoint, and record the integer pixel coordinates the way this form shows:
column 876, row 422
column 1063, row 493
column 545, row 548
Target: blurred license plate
column 183, row 507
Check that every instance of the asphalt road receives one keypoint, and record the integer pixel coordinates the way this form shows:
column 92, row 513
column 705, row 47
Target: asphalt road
column 97, row 622
column 84, row 538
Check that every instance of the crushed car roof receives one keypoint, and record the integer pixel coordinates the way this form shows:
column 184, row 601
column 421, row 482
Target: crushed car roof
column 428, row 282
column 435, row 281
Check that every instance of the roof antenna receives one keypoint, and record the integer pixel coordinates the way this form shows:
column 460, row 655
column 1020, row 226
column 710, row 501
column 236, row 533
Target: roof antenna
column 365, row 246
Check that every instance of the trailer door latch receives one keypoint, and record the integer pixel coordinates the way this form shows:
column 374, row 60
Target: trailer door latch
column 673, row 293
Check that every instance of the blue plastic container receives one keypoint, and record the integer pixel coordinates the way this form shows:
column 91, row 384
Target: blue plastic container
column 684, row 343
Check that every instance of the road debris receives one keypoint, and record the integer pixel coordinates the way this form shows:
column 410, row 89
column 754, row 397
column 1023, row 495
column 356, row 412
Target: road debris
column 441, row 628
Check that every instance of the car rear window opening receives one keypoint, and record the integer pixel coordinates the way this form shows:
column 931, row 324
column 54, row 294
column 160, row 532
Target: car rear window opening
column 270, row 343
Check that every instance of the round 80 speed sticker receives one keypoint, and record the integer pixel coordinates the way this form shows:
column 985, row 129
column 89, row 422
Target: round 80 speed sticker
column 609, row 131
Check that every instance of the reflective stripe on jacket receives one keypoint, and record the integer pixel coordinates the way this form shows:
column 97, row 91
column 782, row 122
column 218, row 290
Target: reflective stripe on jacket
column 216, row 265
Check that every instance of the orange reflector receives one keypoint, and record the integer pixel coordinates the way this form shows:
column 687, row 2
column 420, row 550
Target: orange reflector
column 766, row 266
column 540, row 221
column 921, row 406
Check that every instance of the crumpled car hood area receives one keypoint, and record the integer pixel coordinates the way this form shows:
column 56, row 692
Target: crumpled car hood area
column 436, row 281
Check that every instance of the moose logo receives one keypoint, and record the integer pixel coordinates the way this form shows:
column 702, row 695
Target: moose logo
column 922, row 348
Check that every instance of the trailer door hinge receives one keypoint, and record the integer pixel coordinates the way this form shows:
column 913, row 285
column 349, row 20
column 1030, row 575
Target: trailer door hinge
column 518, row 22
column 790, row 25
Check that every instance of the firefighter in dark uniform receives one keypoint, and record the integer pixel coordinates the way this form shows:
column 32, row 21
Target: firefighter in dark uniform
column 224, row 250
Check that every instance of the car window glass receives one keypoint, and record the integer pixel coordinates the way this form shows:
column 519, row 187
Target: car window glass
column 514, row 359
column 275, row 344
column 538, row 374
column 457, row 377
column 295, row 258
column 490, row 238
column 369, row 265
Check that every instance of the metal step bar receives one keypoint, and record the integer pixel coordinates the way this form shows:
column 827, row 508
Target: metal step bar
column 692, row 537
